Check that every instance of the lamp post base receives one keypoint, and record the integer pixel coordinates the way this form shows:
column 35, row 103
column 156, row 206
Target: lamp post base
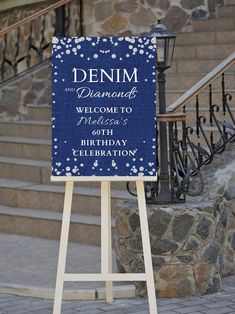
column 164, row 198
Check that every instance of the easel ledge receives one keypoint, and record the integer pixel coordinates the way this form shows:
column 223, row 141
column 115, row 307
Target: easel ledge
column 106, row 178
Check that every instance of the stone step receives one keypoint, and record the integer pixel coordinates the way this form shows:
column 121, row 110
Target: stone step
column 28, row 129
column 38, row 171
column 172, row 95
column 195, row 66
column 225, row 11
column 219, row 24
column 198, row 52
column 39, row 112
column 27, row 148
column 15, row 193
column 186, row 81
column 47, row 224
column 205, row 38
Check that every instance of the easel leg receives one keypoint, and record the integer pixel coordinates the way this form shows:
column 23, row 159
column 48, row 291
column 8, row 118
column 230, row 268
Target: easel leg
column 63, row 247
column 146, row 247
column 106, row 237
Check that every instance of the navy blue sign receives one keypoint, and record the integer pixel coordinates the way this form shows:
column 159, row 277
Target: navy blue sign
column 104, row 106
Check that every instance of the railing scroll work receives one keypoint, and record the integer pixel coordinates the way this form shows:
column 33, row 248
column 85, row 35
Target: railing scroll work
column 208, row 106
column 26, row 43
column 200, row 125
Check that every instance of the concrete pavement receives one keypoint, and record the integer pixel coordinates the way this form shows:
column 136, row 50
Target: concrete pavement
column 28, row 268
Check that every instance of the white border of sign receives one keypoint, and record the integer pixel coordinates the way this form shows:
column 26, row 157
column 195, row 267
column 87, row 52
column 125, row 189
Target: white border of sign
column 106, row 274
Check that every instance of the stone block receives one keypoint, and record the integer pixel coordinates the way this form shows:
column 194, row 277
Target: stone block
column 144, row 17
column 114, row 24
column 181, row 226
column 25, row 83
column 202, row 272
column 191, row 4
column 38, row 86
column 135, row 243
column 134, row 222
column 158, row 223
column 160, row 4
column 163, row 246
column 122, row 227
column 175, row 18
column 125, row 256
column 103, row 10
column 203, row 228
column 126, row 5
column 211, row 252
column 30, row 98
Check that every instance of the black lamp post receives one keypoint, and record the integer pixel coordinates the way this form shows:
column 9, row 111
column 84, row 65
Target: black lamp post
column 165, row 42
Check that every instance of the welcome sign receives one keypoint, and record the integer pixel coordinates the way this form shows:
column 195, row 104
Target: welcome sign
column 104, row 106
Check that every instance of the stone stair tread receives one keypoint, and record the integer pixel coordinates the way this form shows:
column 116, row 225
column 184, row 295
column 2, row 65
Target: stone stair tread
column 28, row 122
column 92, row 192
column 203, row 38
column 213, row 58
column 24, row 140
column 26, row 162
column 49, row 215
column 37, row 106
column 207, row 24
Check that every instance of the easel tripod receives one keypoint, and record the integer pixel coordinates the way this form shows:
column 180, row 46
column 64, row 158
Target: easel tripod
column 106, row 274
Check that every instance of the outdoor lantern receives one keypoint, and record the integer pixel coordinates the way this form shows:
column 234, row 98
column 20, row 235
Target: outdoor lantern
column 165, row 42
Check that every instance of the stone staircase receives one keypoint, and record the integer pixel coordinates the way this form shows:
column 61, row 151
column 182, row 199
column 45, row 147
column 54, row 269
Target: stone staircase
column 196, row 54
column 31, row 205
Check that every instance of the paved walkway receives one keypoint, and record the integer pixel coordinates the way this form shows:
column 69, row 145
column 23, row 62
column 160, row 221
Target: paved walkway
column 29, row 262
column 219, row 303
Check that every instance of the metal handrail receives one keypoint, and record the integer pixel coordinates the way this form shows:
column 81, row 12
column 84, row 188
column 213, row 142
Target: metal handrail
column 33, row 17
column 200, row 85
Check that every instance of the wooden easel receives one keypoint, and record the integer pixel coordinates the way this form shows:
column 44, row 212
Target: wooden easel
column 106, row 274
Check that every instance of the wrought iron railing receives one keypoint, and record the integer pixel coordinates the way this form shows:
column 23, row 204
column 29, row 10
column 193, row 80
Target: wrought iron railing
column 27, row 42
column 195, row 141
column 209, row 128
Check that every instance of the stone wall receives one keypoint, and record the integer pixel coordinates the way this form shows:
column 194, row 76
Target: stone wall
column 134, row 17
column 33, row 87
column 193, row 244
column 185, row 247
